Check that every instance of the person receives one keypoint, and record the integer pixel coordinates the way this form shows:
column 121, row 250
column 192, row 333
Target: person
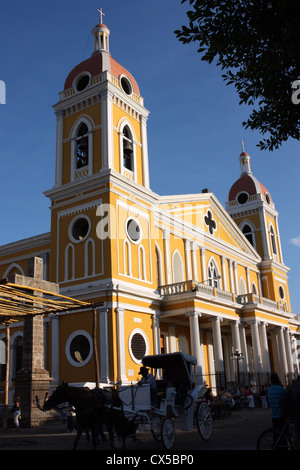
column 263, row 397
column 17, row 412
column 148, row 378
column 276, row 394
column 71, row 414
column 208, row 396
column 295, row 411
column 250, row 398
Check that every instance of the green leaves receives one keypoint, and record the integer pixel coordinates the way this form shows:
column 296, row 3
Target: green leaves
column 256, row 43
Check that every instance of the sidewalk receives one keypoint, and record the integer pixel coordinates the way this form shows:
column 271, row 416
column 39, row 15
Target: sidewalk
column 238, row 431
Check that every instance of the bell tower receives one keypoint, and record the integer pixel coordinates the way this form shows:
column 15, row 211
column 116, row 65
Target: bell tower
column 101, row 138
column 101, row 119
column 252, row 208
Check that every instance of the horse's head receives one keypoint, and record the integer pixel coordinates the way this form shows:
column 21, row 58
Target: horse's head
column 58, row 396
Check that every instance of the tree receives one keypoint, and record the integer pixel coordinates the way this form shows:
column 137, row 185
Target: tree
column 256, row 43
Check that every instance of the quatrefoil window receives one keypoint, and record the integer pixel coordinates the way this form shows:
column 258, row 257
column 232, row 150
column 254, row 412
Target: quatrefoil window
column 210, row 222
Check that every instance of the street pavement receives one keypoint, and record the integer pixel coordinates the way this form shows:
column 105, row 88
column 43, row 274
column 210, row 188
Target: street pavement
column 237, row 431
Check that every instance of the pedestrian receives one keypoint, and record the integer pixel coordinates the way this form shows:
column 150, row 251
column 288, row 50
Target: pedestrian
column 71, row 414
column 276, row 394
column 17, row 412
column 250, row 398
column 148, row 378
column 263, row 397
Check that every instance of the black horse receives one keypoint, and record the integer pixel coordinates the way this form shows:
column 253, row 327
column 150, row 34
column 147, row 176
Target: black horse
column 96, row 406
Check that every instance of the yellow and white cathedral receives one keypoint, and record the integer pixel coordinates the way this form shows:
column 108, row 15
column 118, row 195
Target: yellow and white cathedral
column 168, row 273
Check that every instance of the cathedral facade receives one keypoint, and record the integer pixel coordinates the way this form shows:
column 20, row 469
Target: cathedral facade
column 167, row 273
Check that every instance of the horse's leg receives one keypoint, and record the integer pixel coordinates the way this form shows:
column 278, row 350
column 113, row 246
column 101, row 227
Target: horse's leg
column 94, row 437
column 80, row 429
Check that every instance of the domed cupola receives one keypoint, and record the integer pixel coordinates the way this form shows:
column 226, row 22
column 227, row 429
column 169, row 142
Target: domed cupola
column 83, row 75
column 251, row 207
column 247, row 188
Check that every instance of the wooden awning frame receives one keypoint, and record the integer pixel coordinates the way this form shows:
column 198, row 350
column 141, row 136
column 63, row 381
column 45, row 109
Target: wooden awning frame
column 18, row 302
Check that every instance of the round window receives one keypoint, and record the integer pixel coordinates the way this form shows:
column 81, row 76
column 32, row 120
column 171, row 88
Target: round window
column 126, row 85
column 133, row 230
column 138, row 345
column 79, row 348
column 242, row 198
column 82, row 82
column 79, row 229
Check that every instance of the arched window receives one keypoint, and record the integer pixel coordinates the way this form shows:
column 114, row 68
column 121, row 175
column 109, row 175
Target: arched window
column 248, row 233
column 178, row 272
column 273, row 240
column 82, row 146
column 212, row 274
column 127, row 149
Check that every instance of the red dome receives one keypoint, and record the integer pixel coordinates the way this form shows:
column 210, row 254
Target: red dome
column 93, row 65
column 249, row 184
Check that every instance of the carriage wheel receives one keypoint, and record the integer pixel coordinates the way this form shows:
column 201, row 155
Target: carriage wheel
column 117, row 441
column 204, row 420
column 156, row 430
column 168, row 433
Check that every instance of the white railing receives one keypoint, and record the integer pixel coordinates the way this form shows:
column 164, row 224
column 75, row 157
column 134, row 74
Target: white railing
column 243, row 299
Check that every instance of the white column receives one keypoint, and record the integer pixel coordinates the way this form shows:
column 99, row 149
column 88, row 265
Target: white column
column 194, row 262
column 203, row 264
column 167, row 257
column 288, row 349
column 145, row 152
column 121, row 376
column 187, row 252
column 156, row 333
column 235, row 335
column 231, row 277
column 107, row 129
column 256, row 347
column 236, row 289
column 245, row 361
column 55, row 348
column 265, row 348
column 248, row 280
column 282, row 351
column 172, row 338
column 196, row 343
column 59, row 147
column 224, row 274
column 104, row 345
column 217, row 342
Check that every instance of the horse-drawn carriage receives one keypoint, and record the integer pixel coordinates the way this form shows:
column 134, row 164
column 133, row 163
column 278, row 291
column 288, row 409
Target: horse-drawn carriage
column 177, row 399
column 131, row 407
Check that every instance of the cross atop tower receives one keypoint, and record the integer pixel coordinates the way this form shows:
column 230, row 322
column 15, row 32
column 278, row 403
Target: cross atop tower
column 101, row 15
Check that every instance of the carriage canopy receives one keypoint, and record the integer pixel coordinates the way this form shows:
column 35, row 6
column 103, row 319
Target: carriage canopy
column 177, row 367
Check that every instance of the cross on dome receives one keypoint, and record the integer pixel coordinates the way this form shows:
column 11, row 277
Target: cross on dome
column 101, row 15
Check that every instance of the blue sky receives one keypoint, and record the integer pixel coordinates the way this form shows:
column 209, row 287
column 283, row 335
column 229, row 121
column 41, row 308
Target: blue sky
column 195, row 123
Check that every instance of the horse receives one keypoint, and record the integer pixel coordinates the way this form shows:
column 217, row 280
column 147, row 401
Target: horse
column 92, row 407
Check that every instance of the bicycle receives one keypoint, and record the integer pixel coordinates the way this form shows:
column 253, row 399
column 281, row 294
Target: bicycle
column 278, row 440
